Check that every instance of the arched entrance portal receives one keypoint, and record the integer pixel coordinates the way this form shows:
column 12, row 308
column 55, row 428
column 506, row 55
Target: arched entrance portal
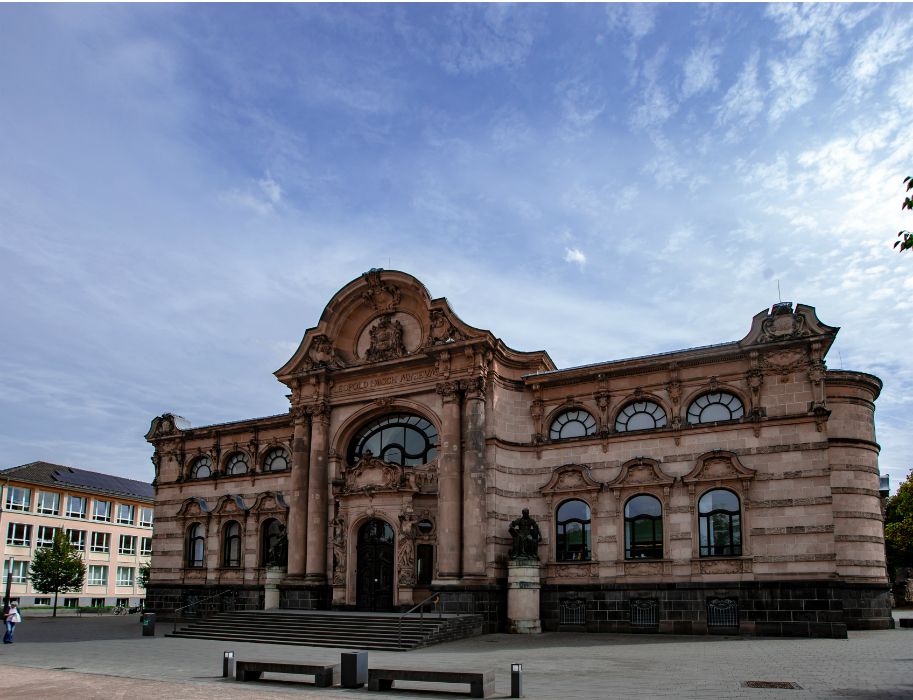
column 374, row 590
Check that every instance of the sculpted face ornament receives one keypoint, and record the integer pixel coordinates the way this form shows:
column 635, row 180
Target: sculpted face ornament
column 323, row 354
column 386, row 340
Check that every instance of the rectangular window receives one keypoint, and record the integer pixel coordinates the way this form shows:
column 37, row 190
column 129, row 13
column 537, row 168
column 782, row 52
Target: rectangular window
column 45, row 537
column 20, row 571
column 71, row 602
column 123, row 602
column 424, row 563
column 98, row 575
column 19, row 534
column 127, row 544
column 124, row 514
column 42, row 601
column 125, row 575
column 77, row 539
column 145, row 547
column 76, row 507
column 101, row 542
column 102, row 511
column 98, row 602
column 18, row 498
column 48, row 503
column 145, row 517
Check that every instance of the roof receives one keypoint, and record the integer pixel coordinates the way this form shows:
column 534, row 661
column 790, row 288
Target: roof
column 69, row 477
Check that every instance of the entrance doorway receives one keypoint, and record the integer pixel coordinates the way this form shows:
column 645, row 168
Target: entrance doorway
column 374, row 591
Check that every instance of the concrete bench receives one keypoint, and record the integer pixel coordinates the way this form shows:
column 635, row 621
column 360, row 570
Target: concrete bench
column 325, row 675
column 481, row 683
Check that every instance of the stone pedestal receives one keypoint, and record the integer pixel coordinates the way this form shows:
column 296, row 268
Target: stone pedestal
column 523, row 583
column 274, row 575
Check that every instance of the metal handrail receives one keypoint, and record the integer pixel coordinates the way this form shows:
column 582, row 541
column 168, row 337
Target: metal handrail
column 436, row 597
column 193, row 604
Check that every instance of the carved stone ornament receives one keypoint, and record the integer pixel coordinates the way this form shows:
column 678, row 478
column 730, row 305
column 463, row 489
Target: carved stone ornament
column 783, row 324
column 370, row 475
column 322, row 353
column 380, row 295
column 386, row 340
column 405, row 561
column 165, row 425
column 651, row 568
column 571, row 478
column 720, row 566
column 719, row 465
column 442, row 330
column 784, row 361
column 641, row 472
column 339, row 551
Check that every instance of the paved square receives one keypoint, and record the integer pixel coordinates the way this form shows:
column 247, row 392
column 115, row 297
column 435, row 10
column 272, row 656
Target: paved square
column 105, row 657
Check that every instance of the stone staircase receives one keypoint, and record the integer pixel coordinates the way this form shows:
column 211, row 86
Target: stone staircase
column 332, row 629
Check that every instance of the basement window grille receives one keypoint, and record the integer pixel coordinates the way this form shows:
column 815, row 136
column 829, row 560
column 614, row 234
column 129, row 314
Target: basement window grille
column 722, row 612
column 644, row 612
column 572, row 611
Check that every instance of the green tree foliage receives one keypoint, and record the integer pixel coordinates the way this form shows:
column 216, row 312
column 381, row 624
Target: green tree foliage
column 58, row 568
column 143, row 577
column 898, row 526
column 906, row 237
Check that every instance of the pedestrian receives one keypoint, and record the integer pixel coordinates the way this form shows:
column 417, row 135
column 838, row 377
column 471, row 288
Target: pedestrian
column 12, row 619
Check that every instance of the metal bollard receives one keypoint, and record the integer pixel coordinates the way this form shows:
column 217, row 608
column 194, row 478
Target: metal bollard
column 228, row 661
column 354, row 669
column 516, row 680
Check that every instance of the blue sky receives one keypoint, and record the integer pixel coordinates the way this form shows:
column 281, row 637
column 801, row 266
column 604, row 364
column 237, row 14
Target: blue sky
column 183, row 188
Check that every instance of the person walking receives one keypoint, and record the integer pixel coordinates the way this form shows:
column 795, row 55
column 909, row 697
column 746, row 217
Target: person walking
column 12, row 619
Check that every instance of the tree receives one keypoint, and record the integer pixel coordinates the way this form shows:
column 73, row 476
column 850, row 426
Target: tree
column 58, row 568
column 143, row 577
column 898, row 527
column 906, row 237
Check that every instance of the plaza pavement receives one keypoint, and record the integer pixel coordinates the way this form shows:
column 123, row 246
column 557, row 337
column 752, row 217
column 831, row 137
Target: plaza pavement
column 106, row 657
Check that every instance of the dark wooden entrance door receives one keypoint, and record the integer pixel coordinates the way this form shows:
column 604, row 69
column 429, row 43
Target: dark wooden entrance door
column 375, row 567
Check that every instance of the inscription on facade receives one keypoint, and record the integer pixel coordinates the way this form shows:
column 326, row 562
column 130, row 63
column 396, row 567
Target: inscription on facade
column 391, row 380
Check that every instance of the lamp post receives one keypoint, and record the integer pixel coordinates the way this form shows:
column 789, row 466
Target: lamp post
column 9, row 580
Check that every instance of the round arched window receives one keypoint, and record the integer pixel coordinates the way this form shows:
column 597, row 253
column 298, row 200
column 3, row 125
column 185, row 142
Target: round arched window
column 643, row 528
column 202, row 468
column 276, row 460
column 237, row 464
column 572, row 424
column 640, row 415
column 720, row 524
column 403, row 438
column 713, row 407
column 572, row 531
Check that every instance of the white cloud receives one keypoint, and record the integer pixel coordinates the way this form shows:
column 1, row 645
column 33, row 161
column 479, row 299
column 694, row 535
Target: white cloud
column 700, row 71
column 743, row 101
column 262, row 199
column 574, row 255
column 636, row 19
column 886, row 45
column 581, row 104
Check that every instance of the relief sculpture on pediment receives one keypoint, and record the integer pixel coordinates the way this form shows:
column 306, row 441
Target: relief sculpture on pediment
column 442, row 330
column 386, row 340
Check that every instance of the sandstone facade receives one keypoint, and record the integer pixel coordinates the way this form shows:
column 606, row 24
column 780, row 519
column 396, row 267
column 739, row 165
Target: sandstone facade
column 734, row 485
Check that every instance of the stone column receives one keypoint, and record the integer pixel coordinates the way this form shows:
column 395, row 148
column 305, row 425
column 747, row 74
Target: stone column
column 317, row 494
column 298, row 500
column 474, row 478
column 450, row 485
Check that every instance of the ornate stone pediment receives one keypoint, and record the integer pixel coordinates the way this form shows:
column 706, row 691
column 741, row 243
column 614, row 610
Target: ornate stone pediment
column 781, row 323
column 380, row 294
column 370, row 475
column 719, row 465
column 194, row 506
column 641, row 471
column 442, row 330
column 230, row 504
column 269, row 501
column 166, row 425
column 571, row 478
column 322, row 353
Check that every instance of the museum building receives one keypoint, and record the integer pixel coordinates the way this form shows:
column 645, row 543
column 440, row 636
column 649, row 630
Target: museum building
column 732, row 487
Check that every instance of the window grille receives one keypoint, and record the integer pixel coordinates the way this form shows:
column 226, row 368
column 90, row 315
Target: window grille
column 722, row 612
column 644, row 612
column 572, row 611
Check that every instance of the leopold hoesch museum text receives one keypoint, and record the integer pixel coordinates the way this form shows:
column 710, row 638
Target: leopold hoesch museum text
column 721, row 487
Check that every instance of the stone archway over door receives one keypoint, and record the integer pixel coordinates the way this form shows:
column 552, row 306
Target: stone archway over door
column 376, row 553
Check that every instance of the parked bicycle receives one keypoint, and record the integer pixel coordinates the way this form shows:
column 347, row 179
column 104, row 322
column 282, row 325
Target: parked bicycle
column 124, row 610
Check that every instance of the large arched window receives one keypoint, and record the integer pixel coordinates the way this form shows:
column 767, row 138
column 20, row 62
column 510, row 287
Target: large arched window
column 276, row 460
column 572, row 531
column 201, row 469
column 640, row 415
column 237, row 464
column 231, row 544
column 720, row 524
column 196, row 545
column 714, row 407
column 403, row 438
column 271, row 536
column 572, row 424
column 643, row 528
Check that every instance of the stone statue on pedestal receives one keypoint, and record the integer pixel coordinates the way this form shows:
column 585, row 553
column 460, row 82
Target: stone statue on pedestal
column 526, row 537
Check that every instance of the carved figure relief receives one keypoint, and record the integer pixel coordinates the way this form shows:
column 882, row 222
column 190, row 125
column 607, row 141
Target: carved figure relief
column 380, row 295
column 339, row 551
column 783, row 324
column 372, row 474
column 442, row 330
column 784, row 361
column 386, row 340
column 322, row 353
column 405, row 554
